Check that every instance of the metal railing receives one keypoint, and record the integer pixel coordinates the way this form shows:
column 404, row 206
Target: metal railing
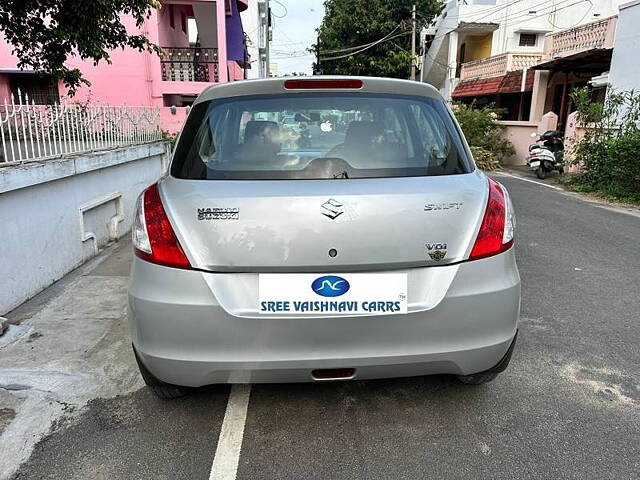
column 31, row 132
column 189, row 64
column 593, row 35
column 499, row 65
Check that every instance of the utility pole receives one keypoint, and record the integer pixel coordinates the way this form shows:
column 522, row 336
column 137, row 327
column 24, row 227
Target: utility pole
column 413, row 42
column 318, row 70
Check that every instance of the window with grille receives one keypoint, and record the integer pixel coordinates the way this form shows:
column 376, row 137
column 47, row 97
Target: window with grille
column 528, row 39
column 41, row 90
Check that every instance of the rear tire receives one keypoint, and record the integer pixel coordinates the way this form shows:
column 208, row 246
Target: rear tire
column 477, row 379
column 160, row 389
column 541, row 173
column 167, row 393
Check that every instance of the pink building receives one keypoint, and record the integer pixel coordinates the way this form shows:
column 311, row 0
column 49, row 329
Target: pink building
column 203, row 43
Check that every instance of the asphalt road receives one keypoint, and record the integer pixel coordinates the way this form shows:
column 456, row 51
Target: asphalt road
column 567, row 407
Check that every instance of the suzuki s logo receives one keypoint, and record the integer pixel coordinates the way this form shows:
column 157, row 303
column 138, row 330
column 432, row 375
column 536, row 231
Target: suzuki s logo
column 330, row 286
column 332, row 209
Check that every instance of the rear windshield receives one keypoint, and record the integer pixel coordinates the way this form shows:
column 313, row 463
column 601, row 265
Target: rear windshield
column 319, row 136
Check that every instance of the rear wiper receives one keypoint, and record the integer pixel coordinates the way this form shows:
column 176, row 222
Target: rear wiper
column 342, row 174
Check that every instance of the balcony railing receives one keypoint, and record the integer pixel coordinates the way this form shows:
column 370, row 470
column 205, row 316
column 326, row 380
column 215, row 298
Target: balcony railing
column 189, row 64
column 599, row 34
column 499, row 65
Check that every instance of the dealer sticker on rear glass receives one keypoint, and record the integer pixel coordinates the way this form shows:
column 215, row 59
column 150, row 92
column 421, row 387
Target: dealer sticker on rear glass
column 339, row 294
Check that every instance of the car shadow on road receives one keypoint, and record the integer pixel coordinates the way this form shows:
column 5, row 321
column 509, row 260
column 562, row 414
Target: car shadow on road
column 421, row 388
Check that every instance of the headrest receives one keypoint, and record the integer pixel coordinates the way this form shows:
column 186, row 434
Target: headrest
column 258, row 128
column 362, row 132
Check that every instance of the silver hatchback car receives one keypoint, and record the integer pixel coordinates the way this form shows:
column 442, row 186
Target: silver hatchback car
column 319, row 229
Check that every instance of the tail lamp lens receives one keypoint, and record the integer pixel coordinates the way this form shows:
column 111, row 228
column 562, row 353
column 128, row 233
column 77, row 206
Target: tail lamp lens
column 346, row 83
column 153, row 237
column 498, row 225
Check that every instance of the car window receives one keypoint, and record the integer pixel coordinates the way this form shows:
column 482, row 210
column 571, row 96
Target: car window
column 312, row 136
column 434, row 138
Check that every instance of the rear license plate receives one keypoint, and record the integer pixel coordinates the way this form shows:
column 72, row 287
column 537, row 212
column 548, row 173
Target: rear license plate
column 534, row 164
column 333, row 294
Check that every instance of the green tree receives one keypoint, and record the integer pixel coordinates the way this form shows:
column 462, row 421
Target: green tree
column 349, row 23
column 45, row 33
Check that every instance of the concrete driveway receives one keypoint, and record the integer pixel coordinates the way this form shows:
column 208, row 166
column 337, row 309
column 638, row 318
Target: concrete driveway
column 567, row 407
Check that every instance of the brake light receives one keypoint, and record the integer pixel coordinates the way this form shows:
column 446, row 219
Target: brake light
column 319, row 84
column 498, row 225
column 153, row 237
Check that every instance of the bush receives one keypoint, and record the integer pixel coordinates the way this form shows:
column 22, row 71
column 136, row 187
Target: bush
column 608, row 153
column 170, row 137
column 485, row 160
column 484, row 133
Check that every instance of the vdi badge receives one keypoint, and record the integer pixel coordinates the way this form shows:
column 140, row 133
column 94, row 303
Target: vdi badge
column 330, row 286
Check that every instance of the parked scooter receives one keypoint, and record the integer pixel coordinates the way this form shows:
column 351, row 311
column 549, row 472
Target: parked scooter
column 547, row 157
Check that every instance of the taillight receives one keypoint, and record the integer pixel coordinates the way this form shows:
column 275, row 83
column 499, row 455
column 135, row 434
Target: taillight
column 348, row 83
column 498, row 225
column 153, row 237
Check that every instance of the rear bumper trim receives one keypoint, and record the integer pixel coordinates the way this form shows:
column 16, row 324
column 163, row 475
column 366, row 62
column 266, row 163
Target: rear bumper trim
column 502, row 365
column 198, row 373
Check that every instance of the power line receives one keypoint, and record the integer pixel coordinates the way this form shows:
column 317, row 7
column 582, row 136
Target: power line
column 347, row 49
column 483, row 14
column 361, row 48
column 283, row 6
column 509, row 16
column 438, row 62
column 287, row 57
column 366, row 48
column 284, row 53
column 287, row 44
column 518, row 15
column 504, row 7
column 525, row 17
column 449, row 67
column 575, row 24
column 491, row 11
column 552, row 9
column 521, row 15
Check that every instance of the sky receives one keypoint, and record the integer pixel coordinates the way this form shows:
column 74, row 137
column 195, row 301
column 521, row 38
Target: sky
column 294, row 30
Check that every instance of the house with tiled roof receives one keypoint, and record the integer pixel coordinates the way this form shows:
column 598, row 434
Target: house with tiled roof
column 487, row 51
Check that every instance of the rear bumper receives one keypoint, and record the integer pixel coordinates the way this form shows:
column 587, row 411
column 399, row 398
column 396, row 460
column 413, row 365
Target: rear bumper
column 185, row 337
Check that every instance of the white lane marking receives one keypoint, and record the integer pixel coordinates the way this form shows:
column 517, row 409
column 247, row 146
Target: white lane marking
column 633, row 211
column 527, row 180
column 225, row 461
